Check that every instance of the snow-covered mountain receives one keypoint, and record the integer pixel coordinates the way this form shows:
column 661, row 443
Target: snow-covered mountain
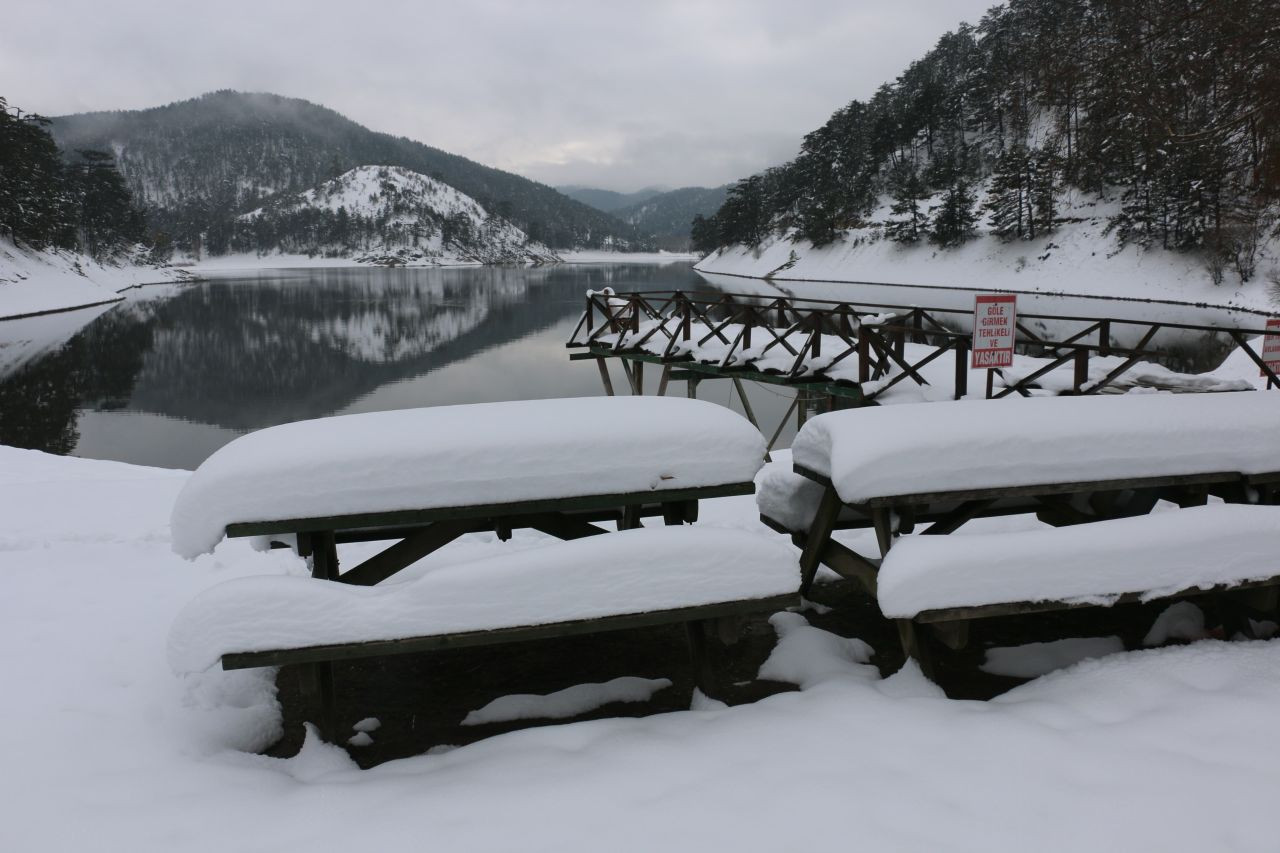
column 389, row 215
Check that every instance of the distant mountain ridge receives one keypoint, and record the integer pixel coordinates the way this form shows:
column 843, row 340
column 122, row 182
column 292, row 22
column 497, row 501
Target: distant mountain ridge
column 660, row 217
column 665, row 219
column 608, row 200
column 388, row 215
column 197, row 165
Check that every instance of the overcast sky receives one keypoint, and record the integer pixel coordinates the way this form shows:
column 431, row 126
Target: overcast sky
column 609, row 94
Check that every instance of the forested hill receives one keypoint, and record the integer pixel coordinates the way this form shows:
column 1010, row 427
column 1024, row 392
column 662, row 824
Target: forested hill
column 198, row 164
column 1166, row 113
column 665, row 219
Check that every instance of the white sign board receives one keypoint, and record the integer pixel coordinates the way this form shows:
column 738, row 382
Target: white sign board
column 1271, row 346
column 995, row 317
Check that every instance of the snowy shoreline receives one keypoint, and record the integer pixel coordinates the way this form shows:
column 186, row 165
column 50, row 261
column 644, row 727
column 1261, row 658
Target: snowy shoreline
column 35, row 283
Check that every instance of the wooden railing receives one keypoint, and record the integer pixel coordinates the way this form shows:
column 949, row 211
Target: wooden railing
column 817, row 335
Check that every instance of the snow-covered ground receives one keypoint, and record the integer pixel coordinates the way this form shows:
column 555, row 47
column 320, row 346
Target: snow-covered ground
column 41, row 282
column 105, row 749
column 1079, row 258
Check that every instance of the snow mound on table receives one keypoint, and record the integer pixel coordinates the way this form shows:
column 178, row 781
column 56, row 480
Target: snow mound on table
column 633, row 571
column 973, row 444
column 785, row 496
column 1160, row 554
column 454, row 456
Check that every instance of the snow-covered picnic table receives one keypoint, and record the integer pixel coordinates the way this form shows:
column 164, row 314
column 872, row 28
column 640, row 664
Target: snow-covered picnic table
column 424, row 477
column 1069, row 460
column 427, row 476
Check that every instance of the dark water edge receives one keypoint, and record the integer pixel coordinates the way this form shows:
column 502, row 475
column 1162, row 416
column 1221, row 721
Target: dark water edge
column 171, row 374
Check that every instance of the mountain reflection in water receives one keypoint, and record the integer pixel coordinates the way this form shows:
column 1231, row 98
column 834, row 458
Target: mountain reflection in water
column 165, row 381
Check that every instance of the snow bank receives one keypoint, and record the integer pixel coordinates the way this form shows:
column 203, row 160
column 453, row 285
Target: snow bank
column 632, row 571
column 1159, row 555
column 41, row 282
column 974, row 444
column 1035, row 659
column 453, row 456
column 569, row 702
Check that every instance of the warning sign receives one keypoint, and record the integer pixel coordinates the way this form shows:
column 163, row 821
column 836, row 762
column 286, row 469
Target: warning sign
column 1271, row 346
column 994, row 320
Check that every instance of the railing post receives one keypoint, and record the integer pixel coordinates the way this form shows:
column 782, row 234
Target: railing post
column 864, row 356
column 1104, row 338
column 962, row 368
column 1082, row 369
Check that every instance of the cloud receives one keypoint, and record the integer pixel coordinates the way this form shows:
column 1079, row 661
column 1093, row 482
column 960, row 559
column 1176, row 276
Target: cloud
column 619, row 95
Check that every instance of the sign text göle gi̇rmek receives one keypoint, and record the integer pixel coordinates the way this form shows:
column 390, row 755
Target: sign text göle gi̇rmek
column 994, row 319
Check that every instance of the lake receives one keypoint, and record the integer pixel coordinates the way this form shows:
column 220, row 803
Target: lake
column 173, row 373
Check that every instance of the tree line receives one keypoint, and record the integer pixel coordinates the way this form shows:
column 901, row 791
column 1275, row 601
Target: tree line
column 1171, row 106
column 46, row 200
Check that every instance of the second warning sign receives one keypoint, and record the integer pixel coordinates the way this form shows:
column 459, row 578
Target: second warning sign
column 995, row 317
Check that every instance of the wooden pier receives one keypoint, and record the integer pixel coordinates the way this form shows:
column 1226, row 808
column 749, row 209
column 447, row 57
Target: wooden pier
column 844, row 354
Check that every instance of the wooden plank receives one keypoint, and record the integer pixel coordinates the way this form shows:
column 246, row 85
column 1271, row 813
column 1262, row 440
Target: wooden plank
column 1080, row 486
column 403, row 554
column 562, row 526
column 1018, row 608
column 418, row 517
column 957, row 518
column 377, row 648
column 851, row 565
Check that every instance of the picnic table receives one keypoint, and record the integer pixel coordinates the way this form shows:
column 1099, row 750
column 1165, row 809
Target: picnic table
column 1069, row 460
column 424, row 477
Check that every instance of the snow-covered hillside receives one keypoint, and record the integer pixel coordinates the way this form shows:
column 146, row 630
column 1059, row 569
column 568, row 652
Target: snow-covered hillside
column 1079, row 257
column 40, row 282
column 390, row 215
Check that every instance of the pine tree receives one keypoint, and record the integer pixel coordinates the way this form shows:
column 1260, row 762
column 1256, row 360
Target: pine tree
column 1009, row 195
column 954, row 219
column 908, row 192
column 1044, row 172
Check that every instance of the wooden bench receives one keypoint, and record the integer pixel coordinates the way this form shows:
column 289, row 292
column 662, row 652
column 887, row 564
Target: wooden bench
column 705, row 578
column 1207, row 550
column 1068, row 460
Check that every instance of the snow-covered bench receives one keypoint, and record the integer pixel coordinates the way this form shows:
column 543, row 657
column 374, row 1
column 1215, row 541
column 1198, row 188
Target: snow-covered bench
column 951, row 580
column 426, row 476
column 630, row 579
column 1069, row 459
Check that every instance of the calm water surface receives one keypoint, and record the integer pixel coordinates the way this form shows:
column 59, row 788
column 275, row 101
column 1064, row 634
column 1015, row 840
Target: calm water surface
column 173, row 373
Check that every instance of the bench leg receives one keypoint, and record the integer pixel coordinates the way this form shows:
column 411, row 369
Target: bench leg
column 315, row 684
column 824, row 521
column 953, row 635
column 700, row 635
column 914, row 646
column 324, row 555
